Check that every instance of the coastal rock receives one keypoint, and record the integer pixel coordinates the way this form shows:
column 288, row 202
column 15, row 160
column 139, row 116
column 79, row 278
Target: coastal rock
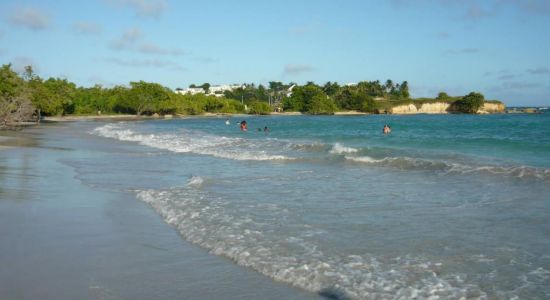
column 425, row 108
column 492, row 108
column 443, row 108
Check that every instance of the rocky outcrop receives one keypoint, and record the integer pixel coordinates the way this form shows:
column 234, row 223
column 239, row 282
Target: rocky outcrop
column 492, row 108
column 442, row 108
column 425, row 108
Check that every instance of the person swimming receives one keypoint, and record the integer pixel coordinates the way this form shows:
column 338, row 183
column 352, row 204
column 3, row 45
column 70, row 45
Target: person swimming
column 386, row 129
column 227, row 122
column 244, row 126
column 266, row 130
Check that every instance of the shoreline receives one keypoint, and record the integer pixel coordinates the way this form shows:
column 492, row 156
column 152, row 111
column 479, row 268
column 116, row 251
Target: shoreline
column 68, row 238
column 73, row 118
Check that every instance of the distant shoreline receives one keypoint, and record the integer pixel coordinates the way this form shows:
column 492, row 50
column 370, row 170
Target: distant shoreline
column 128, row 117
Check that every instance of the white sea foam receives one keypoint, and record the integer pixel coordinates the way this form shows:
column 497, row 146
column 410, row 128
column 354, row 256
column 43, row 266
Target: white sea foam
column 409, row 163
column 196, row 142
column 195, row 181
column 340, row 149
column 289, row 255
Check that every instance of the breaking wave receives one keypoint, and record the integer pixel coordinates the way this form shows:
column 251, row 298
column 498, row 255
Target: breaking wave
column 340, row 149
column 409, row 163
column 286, row 251
column 199, row 143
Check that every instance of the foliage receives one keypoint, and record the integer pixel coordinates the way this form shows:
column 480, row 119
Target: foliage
column 310, row 99
column 15, row 100
column 259, row 108
column 442, row 96
column 143, row 98
column 470, row 103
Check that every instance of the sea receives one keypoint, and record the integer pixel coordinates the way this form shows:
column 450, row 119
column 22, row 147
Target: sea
column 443, row 207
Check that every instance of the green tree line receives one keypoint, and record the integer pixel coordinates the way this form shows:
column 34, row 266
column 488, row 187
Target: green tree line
column 27, row 96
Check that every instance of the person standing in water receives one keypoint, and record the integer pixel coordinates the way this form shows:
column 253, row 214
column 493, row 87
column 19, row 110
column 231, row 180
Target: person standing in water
column 387, row 129
column 244, row 127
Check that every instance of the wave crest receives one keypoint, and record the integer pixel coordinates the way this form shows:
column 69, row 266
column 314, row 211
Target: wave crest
column 340, row 149
column 409, row 163
column 196, row 142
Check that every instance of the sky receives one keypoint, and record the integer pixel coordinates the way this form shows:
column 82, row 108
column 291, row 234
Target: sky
column 500, row 48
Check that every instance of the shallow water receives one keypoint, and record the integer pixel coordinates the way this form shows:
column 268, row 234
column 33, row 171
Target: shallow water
column 65, row 238
column 448, row 205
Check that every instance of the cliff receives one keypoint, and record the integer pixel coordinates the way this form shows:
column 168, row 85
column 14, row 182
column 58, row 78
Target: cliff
column 492, row 108
column 442, row 108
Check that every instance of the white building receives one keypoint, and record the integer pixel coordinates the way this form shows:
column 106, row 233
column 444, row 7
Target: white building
column 215, row 90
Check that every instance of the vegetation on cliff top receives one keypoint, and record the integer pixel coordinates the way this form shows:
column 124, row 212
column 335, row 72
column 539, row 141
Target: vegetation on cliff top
column 25, row 97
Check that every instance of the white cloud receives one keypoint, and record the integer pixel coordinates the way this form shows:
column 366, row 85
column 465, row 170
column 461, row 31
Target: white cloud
column 84, row 27
column 143, row 8
column 519, row 85
column 31, row 18
column 145, row 63
column 205, row 60
column 149, row 48
column 463, row 51
column 127, row 40
column 539, row 71
column 297, row 69
column 442, row 35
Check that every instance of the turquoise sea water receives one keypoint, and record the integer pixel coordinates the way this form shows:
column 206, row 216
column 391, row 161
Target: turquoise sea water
column 446, row 205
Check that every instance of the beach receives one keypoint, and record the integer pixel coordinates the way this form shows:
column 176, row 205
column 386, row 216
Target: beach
column 447, row 206
column 61, row 238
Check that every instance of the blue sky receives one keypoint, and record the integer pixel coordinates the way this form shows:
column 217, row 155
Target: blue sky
column 500, row 48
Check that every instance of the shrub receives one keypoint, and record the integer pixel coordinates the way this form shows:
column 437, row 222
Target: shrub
column 470, row 103
column 259, row 108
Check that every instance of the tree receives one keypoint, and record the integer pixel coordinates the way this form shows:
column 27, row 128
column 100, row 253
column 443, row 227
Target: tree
column 205, row 87
column 60, row 96
column 320, row 103
column 470, row 103
column 404, row 90
column 442, row 96
column 389, row 85
column 259, row 108
column 275, row 86
column 310, row 99
column 331, row 88
column 143, row 97
column 15, row 102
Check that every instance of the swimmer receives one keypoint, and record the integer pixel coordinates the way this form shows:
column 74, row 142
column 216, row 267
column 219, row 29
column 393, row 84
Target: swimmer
column 244, row 127
column 387, row 129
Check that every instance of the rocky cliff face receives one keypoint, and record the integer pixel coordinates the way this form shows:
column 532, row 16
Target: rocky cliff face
column 492, row 108
column 442, row 108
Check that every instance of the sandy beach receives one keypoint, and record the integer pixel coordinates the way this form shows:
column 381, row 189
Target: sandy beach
column 61, row 238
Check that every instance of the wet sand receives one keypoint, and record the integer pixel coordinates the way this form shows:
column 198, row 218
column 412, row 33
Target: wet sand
column 63, row 239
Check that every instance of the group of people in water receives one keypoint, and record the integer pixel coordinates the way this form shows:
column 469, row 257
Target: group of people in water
column 244, row 127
